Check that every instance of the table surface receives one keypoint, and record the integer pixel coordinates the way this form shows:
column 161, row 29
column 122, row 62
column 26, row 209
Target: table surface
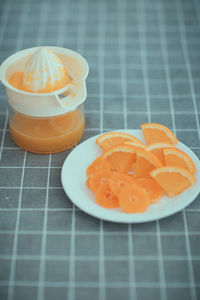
column 144, row 67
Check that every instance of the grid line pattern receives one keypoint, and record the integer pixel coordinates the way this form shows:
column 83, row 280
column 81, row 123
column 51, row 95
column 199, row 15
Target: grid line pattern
column 102, row 17
column 144, row 67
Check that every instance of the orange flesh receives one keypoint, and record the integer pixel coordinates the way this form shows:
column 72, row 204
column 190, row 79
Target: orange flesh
column 143, row 167
column 119, row 180
column 98, row 164
column 98, row 178
column 121, row 161
column 133, row 199
column 154, row 190
column 159, row 154
column 153, row 135
column 105, row 197
column 47, row 135
column 172, row 159
column 16, row 80
column 172, row 184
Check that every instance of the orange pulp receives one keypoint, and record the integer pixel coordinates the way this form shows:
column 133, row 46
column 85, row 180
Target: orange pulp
column 16, row 80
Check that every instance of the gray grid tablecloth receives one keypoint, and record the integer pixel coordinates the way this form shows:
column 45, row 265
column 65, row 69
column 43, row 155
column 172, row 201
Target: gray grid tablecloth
column 144, row 67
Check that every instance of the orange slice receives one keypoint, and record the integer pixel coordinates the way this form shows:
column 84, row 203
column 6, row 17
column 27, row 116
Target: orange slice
column 98, row 178
column 153, row 189
column 156, row 149
column 120, row 157
column 173, row 180
column 97, row 165
column 119, row 180
column 133, row 143
column 113, row 139
column 133, row 199
column 155, row 133
column 105, row 197
column 176, row 157
column 145, row 163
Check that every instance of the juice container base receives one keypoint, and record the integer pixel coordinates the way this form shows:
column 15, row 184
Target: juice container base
column 47, row 135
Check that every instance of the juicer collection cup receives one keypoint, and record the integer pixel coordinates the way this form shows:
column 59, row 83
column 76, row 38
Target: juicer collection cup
column 59, row 112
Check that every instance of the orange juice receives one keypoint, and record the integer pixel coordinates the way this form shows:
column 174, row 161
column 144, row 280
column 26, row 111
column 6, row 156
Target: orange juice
column 47, row 134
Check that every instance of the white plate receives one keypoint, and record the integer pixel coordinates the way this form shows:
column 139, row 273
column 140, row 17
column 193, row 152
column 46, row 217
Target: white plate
column 73, row 178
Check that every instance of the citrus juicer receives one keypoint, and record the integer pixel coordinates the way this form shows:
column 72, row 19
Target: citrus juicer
column 40, row 121
column 44, row 72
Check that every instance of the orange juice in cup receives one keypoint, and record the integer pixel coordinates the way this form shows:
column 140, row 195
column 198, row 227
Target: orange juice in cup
column 46, row 91
column 49, row 134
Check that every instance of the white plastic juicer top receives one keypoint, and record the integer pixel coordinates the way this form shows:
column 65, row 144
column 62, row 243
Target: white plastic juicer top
column 46, row 104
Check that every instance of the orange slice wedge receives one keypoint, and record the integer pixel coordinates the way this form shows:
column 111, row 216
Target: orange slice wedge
column 120, row 157
column 113, row 139
column 173, row 180
column 176, row 157
column 154, row 133
column 153, row 189
column 134, row 143
column 157, row 150
column 145, row 163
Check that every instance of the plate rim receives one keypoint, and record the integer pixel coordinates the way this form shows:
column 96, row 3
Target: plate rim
column 105, row 214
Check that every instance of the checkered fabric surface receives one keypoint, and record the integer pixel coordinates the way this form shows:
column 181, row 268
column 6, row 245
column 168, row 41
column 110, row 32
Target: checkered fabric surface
column 144, row 58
